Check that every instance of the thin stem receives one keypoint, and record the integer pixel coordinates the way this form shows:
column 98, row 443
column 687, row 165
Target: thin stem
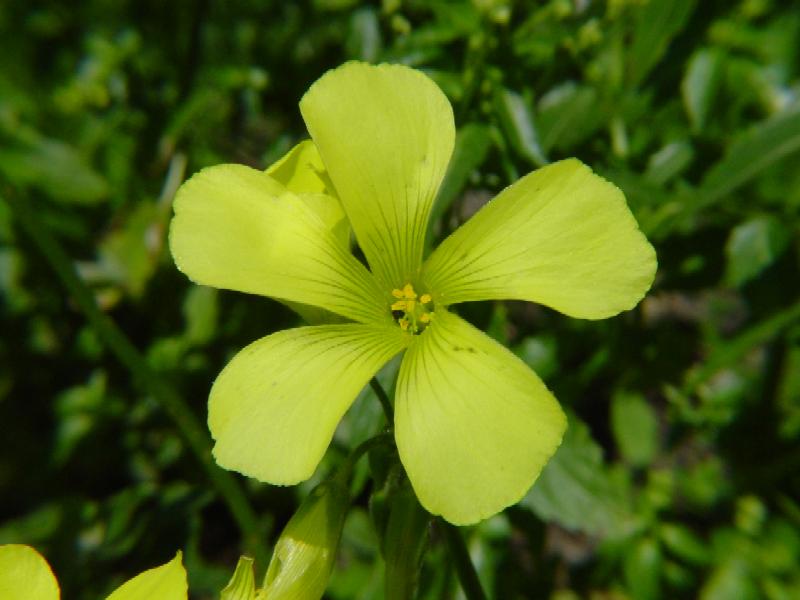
column 360, row 450
column 119, row 344
column 383, row 398
column 467, row 576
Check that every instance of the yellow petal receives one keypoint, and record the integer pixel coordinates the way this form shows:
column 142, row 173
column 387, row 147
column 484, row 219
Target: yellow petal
column 385, row 134
column 474, row 425
column 25, row 575
column 274, row 408
column 301, row 172
column 167, row 582
column 561, row 236
column 237, row 228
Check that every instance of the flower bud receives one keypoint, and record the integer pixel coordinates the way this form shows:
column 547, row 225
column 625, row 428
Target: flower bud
column 303, row 558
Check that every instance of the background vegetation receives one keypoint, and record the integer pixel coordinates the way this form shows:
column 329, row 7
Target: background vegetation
column 680, row 474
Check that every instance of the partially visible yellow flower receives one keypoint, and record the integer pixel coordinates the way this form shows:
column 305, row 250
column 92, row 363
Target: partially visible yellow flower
column 474, row 425
column 25, row 575
column 167, row 582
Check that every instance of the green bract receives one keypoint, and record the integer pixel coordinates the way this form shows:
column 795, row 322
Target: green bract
column 474, row 425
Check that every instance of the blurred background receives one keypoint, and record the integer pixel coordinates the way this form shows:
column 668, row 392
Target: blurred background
column 680, row 473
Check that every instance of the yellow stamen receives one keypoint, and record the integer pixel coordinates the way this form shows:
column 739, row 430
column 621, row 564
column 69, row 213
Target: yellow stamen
column 412, row 312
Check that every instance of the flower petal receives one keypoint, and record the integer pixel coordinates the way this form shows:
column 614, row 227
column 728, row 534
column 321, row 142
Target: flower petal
column 237, row 228
column 302, row 172
column 25, row 575
column 274, row 408
column 474, row 425
column 386, row 134
column 167, row 582
column 561, row 236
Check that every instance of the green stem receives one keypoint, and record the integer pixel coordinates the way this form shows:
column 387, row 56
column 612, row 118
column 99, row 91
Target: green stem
column 346, row 469
column 465, row 570
column 383, row 398
column 455, row 543
column 119, row 344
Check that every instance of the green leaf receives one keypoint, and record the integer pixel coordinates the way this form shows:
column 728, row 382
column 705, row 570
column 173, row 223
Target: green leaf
column 684, row 543
column 732, row 579
column 642, row 569
column 656, row 25
column 635, row 428
column 753, row 246
column 362, row 579
column 669, row 162
column 517, row 120
column 364, row 41
column 470, row 151
column 128, row 254
column 725, row 355
column 540, row 353
column 754, row 151
column 576, row 490
column 567, row 115
column 700, row 85
column 53, row 167
column 200, row 313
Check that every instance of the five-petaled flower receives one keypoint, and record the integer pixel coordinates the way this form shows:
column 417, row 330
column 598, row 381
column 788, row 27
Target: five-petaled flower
column 473, row 424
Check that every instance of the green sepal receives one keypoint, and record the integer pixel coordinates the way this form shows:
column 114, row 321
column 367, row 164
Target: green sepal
column 242, row 585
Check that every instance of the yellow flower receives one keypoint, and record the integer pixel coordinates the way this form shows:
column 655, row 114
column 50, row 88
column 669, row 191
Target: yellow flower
column 25, row 575
column 473, row 424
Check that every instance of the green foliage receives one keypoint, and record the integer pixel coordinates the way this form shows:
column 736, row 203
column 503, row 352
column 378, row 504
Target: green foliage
column 678, row 477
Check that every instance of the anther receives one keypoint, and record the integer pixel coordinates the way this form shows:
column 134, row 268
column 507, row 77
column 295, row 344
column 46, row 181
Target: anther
column 411, row 312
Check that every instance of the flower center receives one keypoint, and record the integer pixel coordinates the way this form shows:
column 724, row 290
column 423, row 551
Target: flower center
column 411, row 312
